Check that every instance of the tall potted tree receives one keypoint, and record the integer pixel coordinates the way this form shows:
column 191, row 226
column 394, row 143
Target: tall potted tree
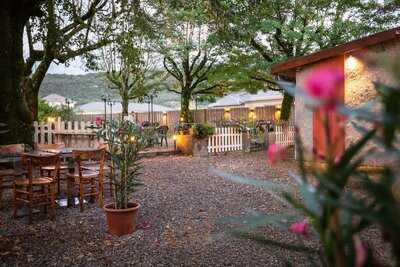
column 124, row 141
column 183, row 138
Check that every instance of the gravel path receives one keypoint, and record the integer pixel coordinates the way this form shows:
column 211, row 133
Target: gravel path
column 182, row 200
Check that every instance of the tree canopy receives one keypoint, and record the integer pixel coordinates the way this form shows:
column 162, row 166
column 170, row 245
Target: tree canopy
column 257, row 34
column 189, row 55
column 56, row 31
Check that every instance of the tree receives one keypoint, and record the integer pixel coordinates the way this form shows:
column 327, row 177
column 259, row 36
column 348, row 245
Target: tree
column 45, row 111
column 56, row 31
column 261, row 33
column 189, row 55
column 135, row 82
column 130, row 68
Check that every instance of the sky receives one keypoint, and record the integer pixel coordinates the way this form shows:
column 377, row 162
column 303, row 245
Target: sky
column 75, row 67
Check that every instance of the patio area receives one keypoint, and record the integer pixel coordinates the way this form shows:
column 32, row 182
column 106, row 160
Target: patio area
column 181, row 203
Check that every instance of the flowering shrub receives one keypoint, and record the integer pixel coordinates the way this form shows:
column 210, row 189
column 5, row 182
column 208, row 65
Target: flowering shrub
column 323, row 84
column 99, row 121
column 325, row 205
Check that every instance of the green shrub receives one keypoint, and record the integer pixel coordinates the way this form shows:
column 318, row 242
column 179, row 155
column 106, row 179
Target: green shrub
column 201, row 131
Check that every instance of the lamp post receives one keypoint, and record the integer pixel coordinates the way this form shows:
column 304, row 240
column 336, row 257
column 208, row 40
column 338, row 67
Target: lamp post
column 68, row 102
column 152, row 113
column 104, row 98
column 148, row 109
column 111, row 103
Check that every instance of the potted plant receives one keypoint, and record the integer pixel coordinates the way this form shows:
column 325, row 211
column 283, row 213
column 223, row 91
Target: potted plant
column 184, row 138
column 200, row 135
column 124, row 142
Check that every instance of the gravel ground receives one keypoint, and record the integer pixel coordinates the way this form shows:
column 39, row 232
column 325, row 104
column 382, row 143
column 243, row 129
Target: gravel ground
column 181, row 203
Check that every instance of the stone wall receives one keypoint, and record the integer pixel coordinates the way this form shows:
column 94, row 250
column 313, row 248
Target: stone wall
column 304, row 115
column 360, row 75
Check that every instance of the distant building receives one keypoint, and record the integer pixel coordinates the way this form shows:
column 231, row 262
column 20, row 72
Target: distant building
column 56, row 100
column 97, row 108
column 245, row 99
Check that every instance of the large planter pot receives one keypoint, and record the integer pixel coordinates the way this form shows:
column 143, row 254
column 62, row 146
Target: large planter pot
column 200, row 147
column 246, row 141
column 184, row 143
column 121, row 221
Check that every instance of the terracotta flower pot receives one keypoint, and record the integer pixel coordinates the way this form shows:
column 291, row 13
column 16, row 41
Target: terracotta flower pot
column 121, row 221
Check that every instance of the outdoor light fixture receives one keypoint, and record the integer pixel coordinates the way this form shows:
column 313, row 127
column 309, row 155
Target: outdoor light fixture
column 352, row 63
column 51, row 120
column 165, row 118
column 174, row 138
column 133, row 138
column 277, row 114
column 181, row 119
column 252, row 114
column 227, row 113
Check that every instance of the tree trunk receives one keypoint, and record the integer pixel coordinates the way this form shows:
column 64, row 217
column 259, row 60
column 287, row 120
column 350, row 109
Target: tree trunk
column 185, row 112
column 287, row 103
column 125, row 105
column 32, row 84
column 14, row 110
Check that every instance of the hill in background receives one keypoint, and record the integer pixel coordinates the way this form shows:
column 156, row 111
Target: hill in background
column 90, row 87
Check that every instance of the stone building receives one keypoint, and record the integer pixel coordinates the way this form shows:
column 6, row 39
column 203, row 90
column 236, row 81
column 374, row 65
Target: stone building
column 354, row 60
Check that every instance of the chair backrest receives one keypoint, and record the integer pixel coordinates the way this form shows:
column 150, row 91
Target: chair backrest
column 163, row 129
column 36, row 162
column 12, row 149
column 95, row 156
column 50, row 146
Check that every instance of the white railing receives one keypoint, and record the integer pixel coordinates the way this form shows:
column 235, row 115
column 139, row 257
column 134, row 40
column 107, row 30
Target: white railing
column 225, row 139
column 72, row 133
column 284, row 135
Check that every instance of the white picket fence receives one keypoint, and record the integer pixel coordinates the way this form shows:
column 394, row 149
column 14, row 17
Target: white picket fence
column 225, row 139
column 231, row 139
column 72, row 133
column 284, row 135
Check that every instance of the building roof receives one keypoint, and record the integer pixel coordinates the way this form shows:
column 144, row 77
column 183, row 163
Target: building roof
column 242, row 97
column 288, row 68
column 233, row 99
column 98, row 108
column 54, row 98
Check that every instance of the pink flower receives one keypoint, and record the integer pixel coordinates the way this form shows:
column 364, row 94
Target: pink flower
column 98, row 121
column 361, row 252
column 275, row 153
column 144, row 225
column 323, row 84
column 300, row 228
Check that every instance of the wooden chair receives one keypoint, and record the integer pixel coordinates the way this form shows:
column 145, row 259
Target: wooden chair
column 9, row 173
column 162, row 135
column 90, row 181
column 50, row 169
column 101, row 145
column 36, row 191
